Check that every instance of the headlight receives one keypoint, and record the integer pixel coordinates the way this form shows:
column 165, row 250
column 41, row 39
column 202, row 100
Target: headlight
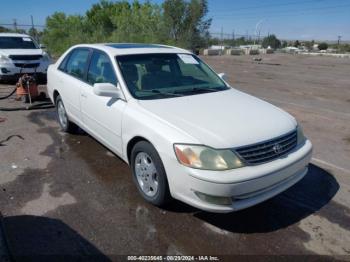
column 46, row 57
column 300, row 135
column 4, row 59
column 202, row 157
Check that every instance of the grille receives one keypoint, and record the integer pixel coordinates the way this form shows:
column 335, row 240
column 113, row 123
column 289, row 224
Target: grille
column 21, row 65
column 25, row 57
column 269, row 150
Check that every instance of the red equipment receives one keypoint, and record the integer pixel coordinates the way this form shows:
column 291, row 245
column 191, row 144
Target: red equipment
column 27, row 88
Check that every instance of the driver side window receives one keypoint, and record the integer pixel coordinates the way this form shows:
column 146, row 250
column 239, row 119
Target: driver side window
column 77, row 62
column 101, row 69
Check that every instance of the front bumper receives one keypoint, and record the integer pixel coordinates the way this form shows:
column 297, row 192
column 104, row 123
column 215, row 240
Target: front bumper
column 9, row 72
column 245, row 186
column 41, row 78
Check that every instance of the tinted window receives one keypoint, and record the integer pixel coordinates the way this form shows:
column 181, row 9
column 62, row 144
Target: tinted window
column 153, row 76
column 62, row 66
column 17, row 43
column 101, row 69
column 77, row 62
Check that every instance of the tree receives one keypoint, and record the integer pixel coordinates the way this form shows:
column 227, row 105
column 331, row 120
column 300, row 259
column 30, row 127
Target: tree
column 4, row 29
column 198, row 24
column 177, row 22
column 64, row 31
column 271, row 41
column 323, row 46
column 296, row 43
column 185, row 23
column 175, row 16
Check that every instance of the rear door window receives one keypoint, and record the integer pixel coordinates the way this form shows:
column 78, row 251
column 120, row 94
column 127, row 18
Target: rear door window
column 77, row 63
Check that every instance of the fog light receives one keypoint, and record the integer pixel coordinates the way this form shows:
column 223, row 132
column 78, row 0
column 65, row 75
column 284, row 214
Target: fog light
column 4, row 70
column 214, row 199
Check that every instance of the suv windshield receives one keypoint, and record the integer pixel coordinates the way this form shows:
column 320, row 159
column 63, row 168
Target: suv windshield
column 17, row 43
column 154, row 76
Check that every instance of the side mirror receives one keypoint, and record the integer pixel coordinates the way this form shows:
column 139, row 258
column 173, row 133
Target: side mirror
column 223, row 76
column 42, row 46
column 107, row 90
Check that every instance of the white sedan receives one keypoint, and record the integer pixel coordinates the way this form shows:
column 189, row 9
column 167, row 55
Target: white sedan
column 185, row 133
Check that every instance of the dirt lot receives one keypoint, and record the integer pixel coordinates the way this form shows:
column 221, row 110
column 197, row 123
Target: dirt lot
column 67, row 194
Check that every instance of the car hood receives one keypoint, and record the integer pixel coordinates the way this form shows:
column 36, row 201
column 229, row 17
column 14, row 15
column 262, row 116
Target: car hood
column 223, row 119
column 8, row 52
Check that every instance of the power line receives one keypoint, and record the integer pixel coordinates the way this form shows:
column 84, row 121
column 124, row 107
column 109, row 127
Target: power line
column 295, row 13
column 277, row 5
column 288, row 11
column 23, row 25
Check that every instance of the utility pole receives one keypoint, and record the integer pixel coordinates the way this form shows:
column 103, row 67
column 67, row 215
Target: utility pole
column 31, row 18
column 15, row 24
column 339, row 39
column 222, row 39
column 233, row 37
column 33, row 28
column 258, row 29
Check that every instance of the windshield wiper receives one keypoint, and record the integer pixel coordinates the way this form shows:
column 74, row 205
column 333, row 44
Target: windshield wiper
column 156, row 91
column 205, row 89
column 208, row 89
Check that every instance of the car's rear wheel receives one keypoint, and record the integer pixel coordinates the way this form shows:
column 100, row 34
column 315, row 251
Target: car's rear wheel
column 63, row 120
column 149, row 174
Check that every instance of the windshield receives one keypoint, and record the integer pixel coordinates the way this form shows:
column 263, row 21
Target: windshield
column 155, row 76
column 17, row 43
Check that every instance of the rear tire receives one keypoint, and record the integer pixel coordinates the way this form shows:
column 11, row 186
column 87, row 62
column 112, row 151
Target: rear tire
column 66, row 125
column 149, row 174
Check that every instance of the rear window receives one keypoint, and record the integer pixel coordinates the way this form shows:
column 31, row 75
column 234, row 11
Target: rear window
column 17, row 43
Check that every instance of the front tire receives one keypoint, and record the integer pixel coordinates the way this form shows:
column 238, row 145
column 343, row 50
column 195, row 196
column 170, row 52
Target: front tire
column 66, row 125
column 149, row 174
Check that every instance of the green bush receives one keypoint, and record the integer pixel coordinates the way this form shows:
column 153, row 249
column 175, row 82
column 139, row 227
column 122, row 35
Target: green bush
column 323, row 46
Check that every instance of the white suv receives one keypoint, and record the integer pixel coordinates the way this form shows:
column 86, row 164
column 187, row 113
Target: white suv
column 19, row 53
column 183, row 130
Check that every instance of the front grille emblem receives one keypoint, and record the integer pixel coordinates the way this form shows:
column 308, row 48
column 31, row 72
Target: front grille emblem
column 277, row 148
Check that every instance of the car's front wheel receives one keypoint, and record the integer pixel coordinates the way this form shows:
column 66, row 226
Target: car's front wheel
column 149, row 174
column 63, row 120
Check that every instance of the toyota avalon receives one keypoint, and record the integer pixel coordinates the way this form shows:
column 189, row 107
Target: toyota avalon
column 184, row 131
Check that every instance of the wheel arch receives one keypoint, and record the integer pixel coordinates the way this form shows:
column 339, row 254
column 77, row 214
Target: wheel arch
column 55, row 95
column 132, row 143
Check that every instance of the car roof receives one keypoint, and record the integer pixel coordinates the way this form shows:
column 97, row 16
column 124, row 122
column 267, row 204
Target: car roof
column 13, row 35
column 116, row 49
